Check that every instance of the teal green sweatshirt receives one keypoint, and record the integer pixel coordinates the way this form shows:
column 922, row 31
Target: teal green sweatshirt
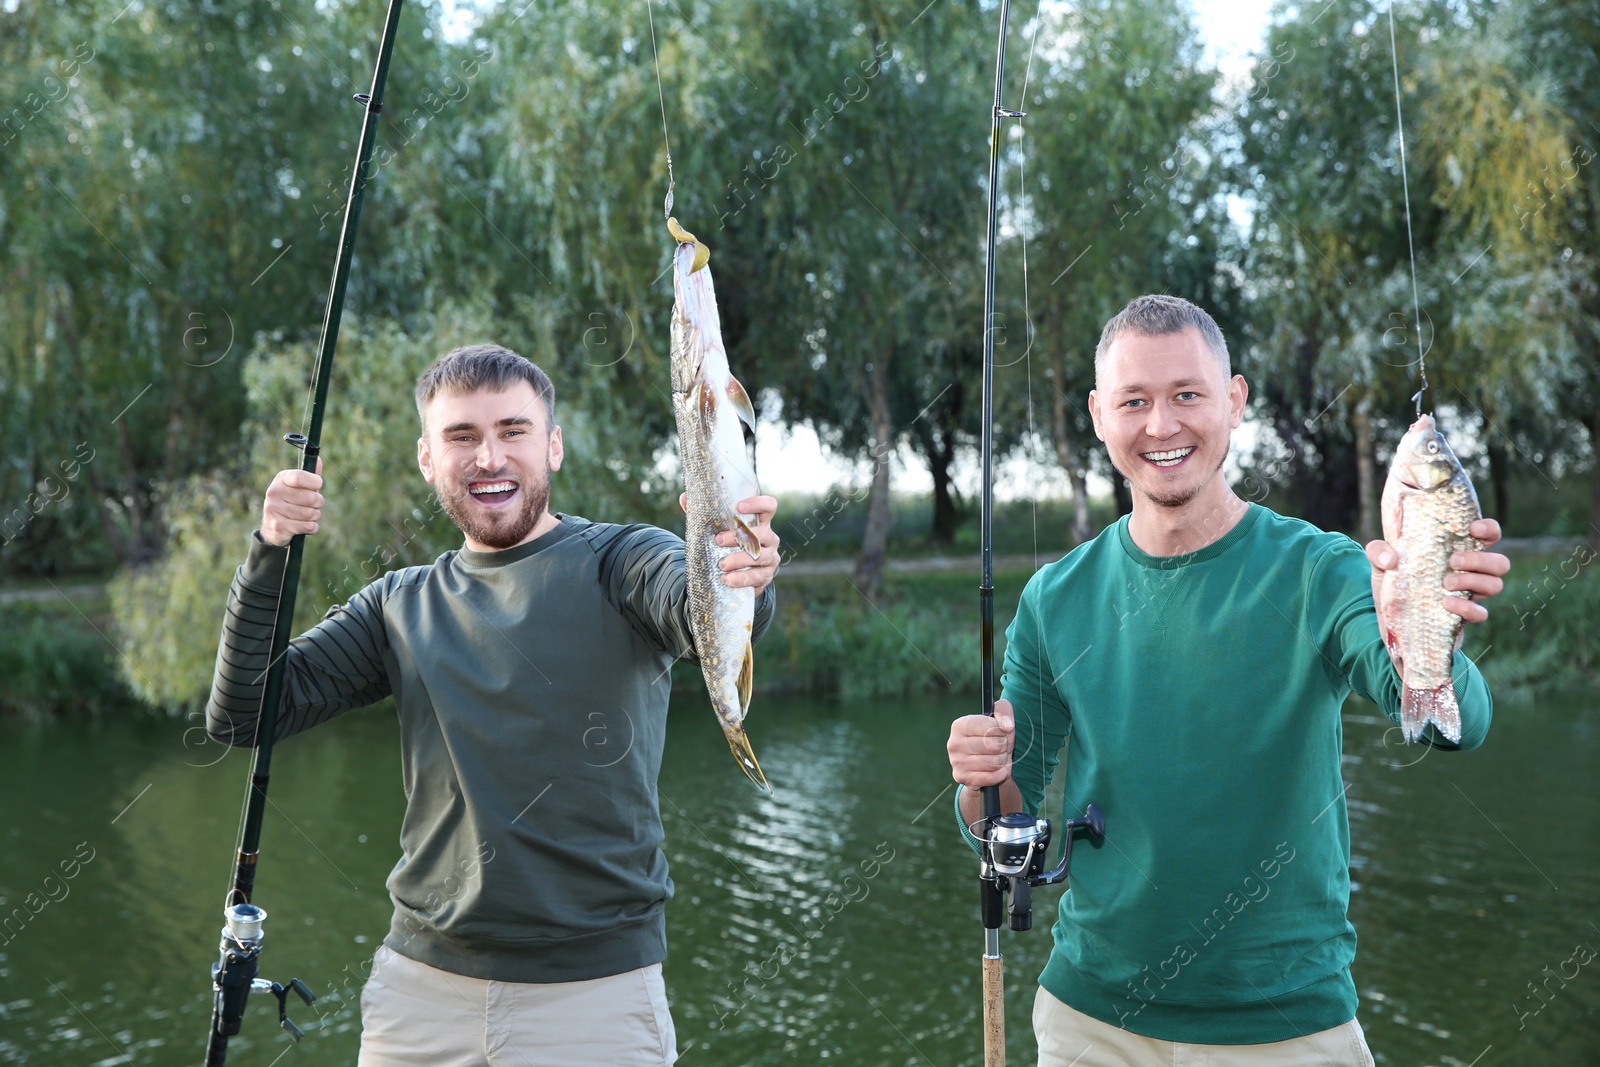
column 531, row 687
column 1201, row 694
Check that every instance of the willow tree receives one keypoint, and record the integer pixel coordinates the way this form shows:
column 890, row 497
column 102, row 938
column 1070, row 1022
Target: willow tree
column 163, row 198
column 1122, row 200
column 1334, row 325
column 1513, row 298
column 1565, row 36
column 851, row 197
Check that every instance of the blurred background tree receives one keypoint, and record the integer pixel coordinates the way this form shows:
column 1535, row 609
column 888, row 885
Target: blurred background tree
column 173, row 173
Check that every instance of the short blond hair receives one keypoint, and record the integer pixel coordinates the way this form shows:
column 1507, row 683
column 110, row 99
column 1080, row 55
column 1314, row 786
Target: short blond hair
column 1156, row 315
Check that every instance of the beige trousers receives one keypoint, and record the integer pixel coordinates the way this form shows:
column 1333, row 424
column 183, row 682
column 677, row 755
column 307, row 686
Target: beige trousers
column 1069, row 1038
column 414, row 1015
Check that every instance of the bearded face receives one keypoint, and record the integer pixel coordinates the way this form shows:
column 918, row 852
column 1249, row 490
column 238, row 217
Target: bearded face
column 497, row 509
column 489, row 455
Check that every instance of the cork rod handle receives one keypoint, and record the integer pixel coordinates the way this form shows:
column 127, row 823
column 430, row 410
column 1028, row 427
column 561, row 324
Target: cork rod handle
column 994, row 1012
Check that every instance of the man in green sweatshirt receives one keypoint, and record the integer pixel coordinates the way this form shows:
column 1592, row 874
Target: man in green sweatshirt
column 1197, row 654
column 528, row 900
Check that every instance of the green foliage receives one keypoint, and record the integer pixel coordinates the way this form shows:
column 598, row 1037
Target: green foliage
column 175, row 192
column 380, row 514
column 156, row 323
column 1122, row 160
column 829, row 527
column 1541, row 632
column 1333, row 345
column 921, row 636
column 53, row 662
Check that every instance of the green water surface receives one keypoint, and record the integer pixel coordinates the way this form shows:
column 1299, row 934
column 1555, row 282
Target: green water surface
column 834, row 922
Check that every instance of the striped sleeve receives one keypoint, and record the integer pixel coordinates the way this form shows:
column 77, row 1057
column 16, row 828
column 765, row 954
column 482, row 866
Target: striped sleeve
column 642, row 574
column 335, row 666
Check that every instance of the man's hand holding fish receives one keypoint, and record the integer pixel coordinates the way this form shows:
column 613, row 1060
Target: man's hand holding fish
column 1476, row 574
column 739, row 571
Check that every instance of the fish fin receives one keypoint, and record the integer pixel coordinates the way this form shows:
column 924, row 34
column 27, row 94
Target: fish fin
column 746, row 758
column 747, row 677
column 1391, row 641
column 741, row 403
column 746, row 538
column 708, row 411
column 1418, row 707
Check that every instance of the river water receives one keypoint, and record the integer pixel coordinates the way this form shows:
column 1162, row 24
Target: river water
column 835, row 922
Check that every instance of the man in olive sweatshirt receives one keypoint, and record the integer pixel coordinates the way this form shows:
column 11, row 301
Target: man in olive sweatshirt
column 528, row 900
column 1197, row 654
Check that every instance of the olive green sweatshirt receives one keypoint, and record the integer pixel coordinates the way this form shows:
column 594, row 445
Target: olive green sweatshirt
column 1201, row 695
column 531, row 687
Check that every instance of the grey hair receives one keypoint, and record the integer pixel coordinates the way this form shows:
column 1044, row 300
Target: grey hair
column 1156, row 315
column 473, row 367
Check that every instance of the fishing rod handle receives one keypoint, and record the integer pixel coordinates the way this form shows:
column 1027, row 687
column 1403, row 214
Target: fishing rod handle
column 994, row 1012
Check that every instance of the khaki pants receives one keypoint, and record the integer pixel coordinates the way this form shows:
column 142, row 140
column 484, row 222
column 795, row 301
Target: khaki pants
column 1069, row 1038
column 413, row 1015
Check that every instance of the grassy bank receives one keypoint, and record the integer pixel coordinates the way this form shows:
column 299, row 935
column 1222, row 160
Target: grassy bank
column 921, row 636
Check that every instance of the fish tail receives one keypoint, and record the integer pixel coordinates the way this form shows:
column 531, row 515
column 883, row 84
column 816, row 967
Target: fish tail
column 1418, row 707
column 740, row 744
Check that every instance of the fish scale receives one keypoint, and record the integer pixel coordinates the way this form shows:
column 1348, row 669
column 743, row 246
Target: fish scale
column 709, row 406
column 1428, row 505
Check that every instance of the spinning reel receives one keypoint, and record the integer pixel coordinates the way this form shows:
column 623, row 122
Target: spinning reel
column 234, row 975
column 1013, row 858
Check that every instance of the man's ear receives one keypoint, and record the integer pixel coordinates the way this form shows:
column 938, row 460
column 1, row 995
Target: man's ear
column 557, row 451
column 1238, row 393
column 1094, row 413
column 425, row 459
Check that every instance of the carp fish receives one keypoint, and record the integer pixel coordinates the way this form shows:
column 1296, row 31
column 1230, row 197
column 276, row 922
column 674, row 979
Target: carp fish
column 710, row 405
column 1428, row 504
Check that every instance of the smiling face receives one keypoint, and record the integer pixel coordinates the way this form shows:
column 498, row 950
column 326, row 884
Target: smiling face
column 1165, row 410
column 488, row 455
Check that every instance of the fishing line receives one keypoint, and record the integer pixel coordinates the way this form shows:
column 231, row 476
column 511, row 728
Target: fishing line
column 1026, row 214
column 1411, row 246
column 666, row 210
column 1027, row 310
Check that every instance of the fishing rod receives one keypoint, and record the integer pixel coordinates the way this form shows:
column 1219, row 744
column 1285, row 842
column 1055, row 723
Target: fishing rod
column 1012, row 847
column 233, row 977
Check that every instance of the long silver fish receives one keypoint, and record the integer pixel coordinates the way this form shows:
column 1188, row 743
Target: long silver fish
column 1428, row 503
column 710, row 404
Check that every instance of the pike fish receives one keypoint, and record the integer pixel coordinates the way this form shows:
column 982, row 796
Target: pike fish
column 710, row 404
column 1428, row 503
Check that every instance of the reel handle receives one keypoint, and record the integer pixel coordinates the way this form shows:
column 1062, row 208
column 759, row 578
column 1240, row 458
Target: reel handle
column 1092, row 822
column 282, row 993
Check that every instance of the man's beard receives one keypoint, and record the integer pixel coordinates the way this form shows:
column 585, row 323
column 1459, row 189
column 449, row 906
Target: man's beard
column 502, row 529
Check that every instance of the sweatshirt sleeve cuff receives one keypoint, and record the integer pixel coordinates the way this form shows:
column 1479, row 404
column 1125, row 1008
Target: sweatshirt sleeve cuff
column 766, row 611
column 263, row 567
